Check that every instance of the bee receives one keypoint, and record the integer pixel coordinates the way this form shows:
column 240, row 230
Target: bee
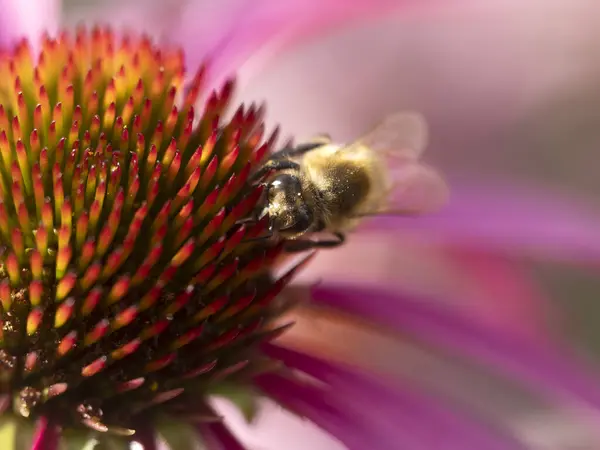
column 320, row 186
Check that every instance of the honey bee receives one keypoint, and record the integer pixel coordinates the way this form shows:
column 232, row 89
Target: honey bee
column 320, row 186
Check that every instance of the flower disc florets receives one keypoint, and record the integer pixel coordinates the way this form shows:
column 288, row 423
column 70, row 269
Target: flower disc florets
column 129, row 277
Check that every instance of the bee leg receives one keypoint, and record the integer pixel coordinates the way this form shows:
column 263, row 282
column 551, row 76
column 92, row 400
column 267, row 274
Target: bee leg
column 340, row 238
column 246, row 220
column 267, row 235
column 274, row 165
column 256, row 214
column 289, row 151
column 302, row 245
column 300, row 149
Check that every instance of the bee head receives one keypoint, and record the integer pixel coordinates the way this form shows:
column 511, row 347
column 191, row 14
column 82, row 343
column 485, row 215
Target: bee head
column 287, row 209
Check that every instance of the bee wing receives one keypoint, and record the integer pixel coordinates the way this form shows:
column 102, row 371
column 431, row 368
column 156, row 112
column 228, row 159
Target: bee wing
column 400, row 136
column 416, row 189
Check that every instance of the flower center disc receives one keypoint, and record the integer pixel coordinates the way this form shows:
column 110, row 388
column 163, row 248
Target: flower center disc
column 128, row 276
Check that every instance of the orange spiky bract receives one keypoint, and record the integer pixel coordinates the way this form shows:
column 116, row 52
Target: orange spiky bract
column 125, row 279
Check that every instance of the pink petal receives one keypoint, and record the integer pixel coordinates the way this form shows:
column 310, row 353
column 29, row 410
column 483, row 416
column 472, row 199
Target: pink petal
column 390, row 417
column 542, row 369
column 503, row 294
column 46, row 436
column 310, row 403
column 475, row 69
column 509, row 218
column 27, row 18
column 230, row 34
column 486, row 286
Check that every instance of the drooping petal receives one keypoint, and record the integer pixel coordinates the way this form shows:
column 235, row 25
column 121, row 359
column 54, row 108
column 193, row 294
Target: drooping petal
column 274, row 428
column 27, row 18
column 313, row 404
column 503, row 293
column 549, row 372
column 509, row 218
column 46, row 436
column 240, row 29
column 382, row 415
column 489, row 287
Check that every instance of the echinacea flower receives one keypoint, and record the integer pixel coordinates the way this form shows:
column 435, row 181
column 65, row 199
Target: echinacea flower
column 112, row 220
column 133, row 285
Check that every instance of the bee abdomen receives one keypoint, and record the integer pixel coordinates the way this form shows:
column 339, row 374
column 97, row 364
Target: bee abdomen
column 349, row 187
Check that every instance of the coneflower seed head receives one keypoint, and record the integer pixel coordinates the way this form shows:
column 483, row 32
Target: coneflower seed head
column 129, row 277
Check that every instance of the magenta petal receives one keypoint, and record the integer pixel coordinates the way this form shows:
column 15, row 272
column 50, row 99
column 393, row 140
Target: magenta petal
column 311, row 403
column 230, row 34
column 424, row 419
column 364, row 414
column 46, row 436
column 510, row 219
column 544, row 370
column 27, row 18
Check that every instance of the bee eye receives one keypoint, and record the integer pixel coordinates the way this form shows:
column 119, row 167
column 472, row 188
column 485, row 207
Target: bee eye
column 287, row 185
column 286, row 204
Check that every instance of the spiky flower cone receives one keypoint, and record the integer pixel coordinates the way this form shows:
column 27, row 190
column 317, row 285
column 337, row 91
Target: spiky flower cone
column 128, row 285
